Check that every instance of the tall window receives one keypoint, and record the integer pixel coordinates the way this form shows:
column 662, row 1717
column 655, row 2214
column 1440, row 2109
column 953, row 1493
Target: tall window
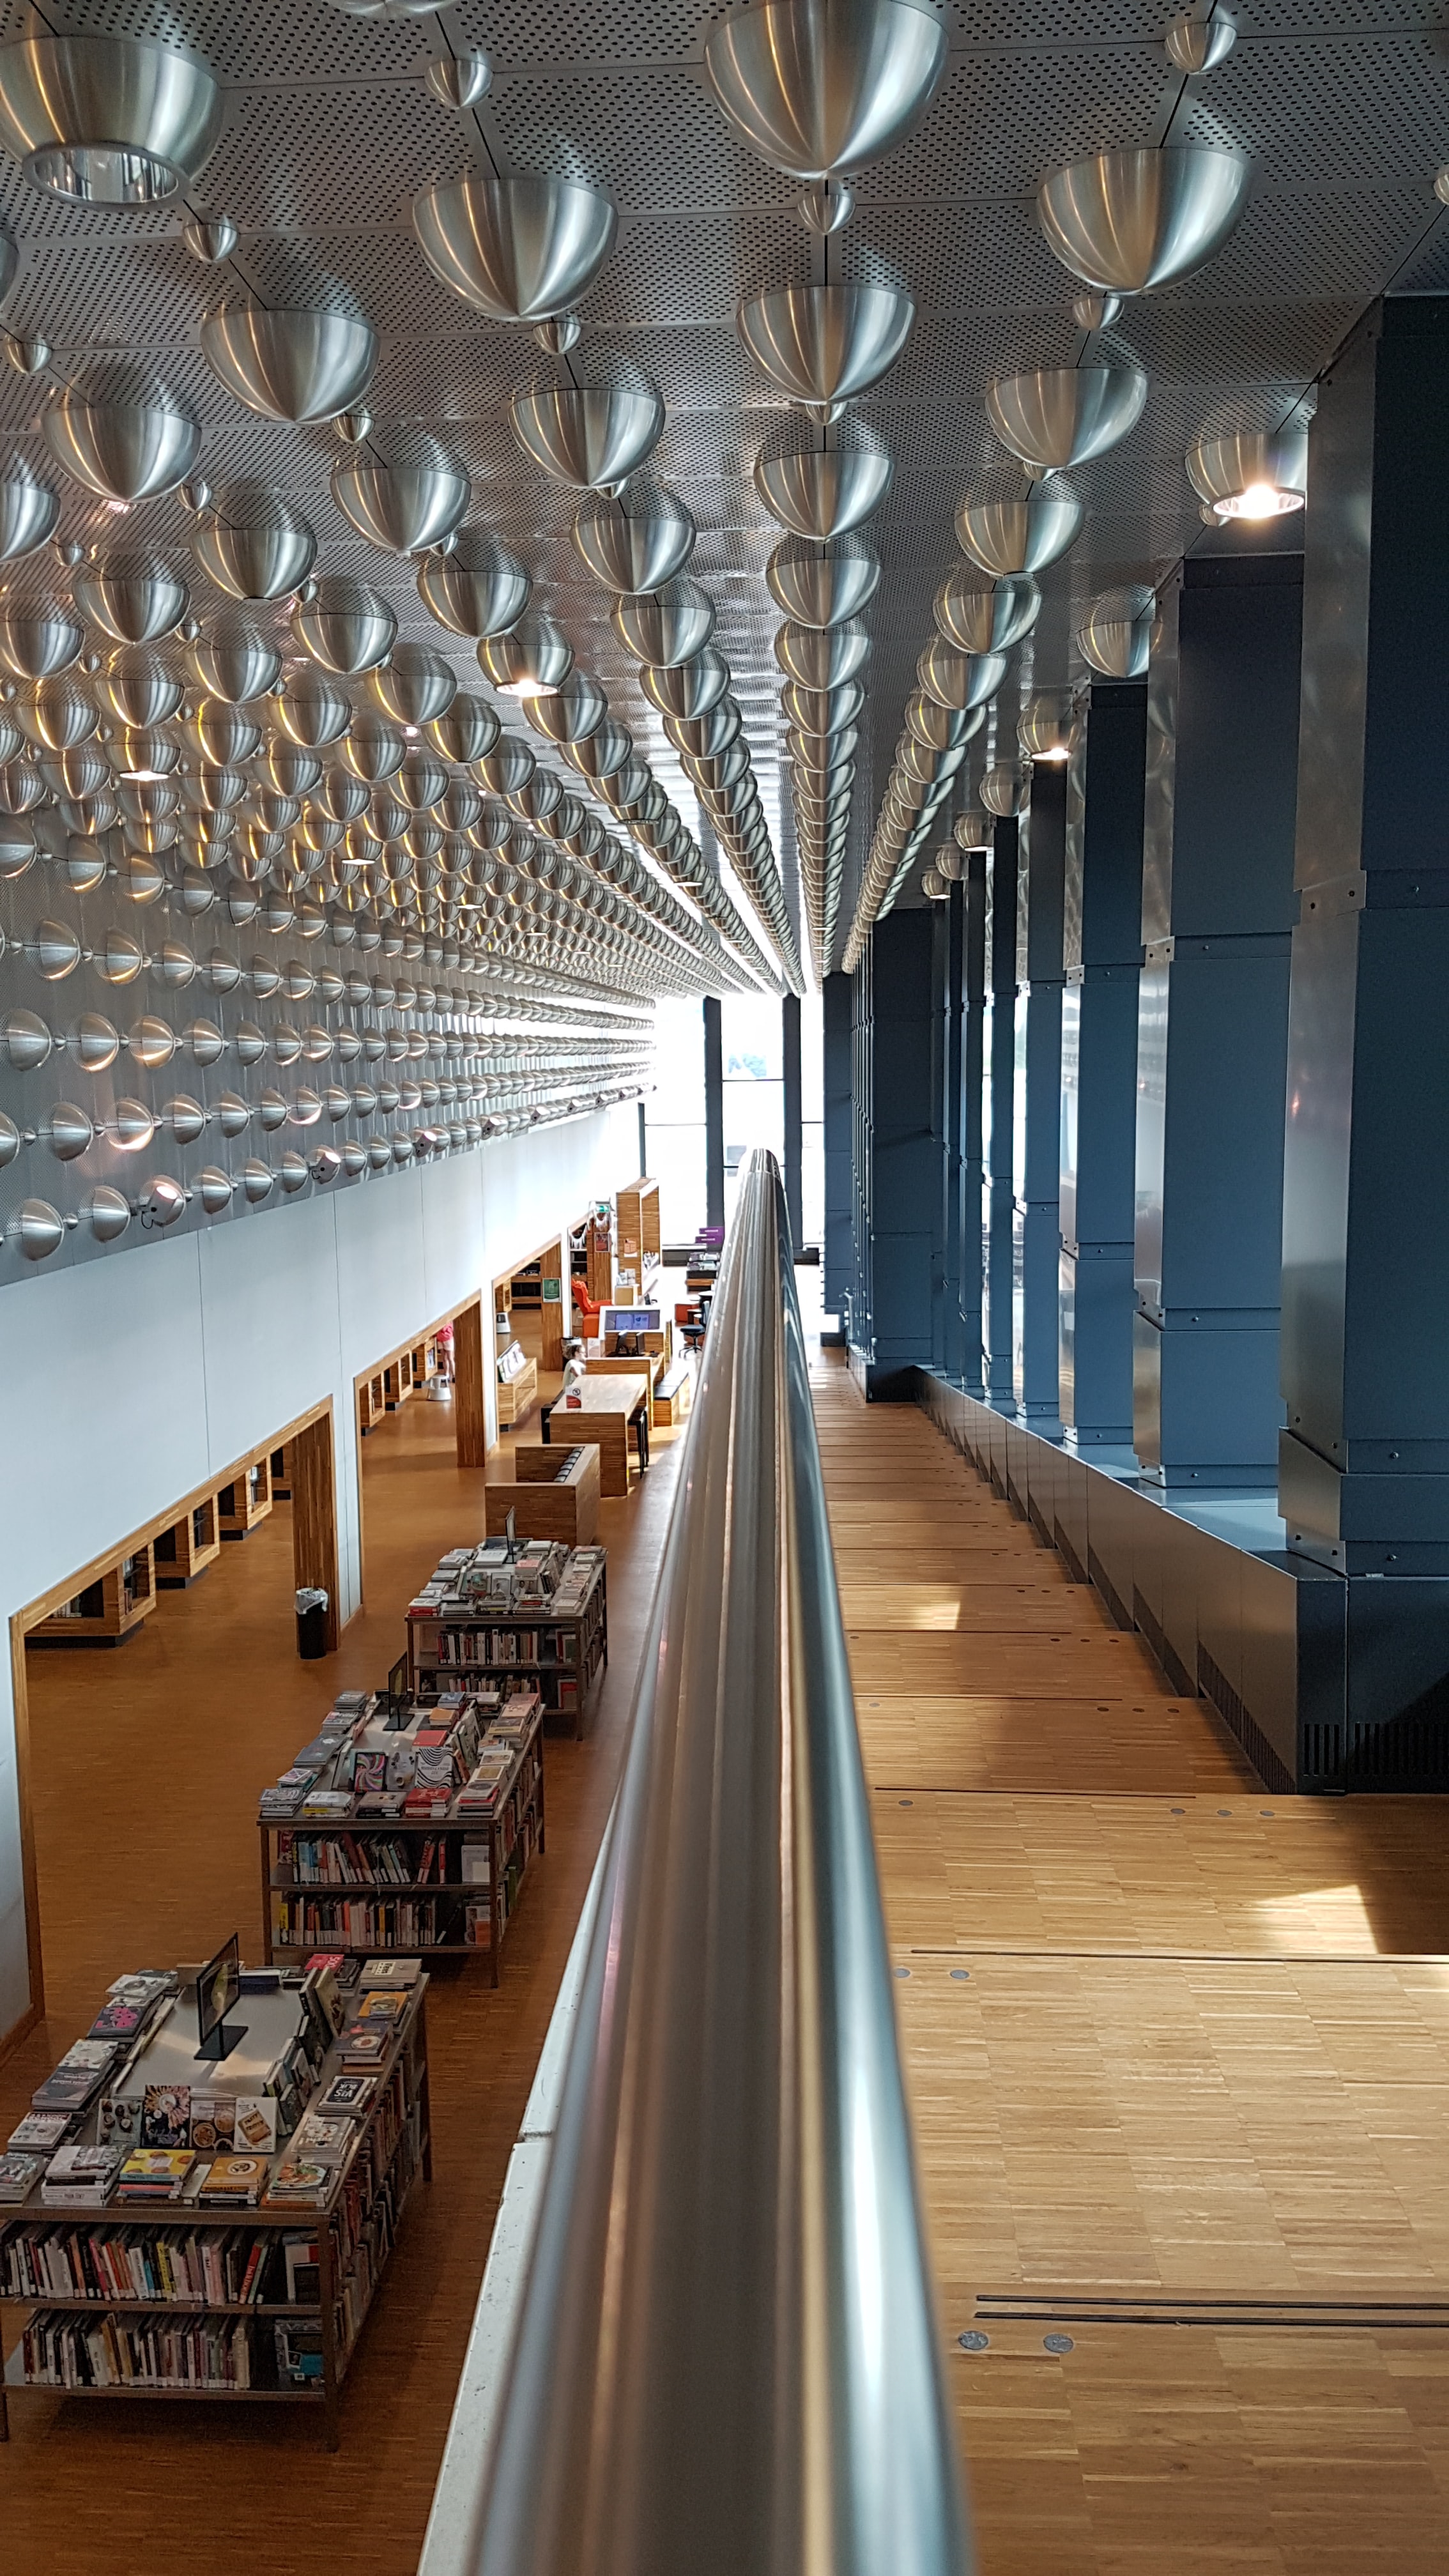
column 674, row 1119
column 753, row 1047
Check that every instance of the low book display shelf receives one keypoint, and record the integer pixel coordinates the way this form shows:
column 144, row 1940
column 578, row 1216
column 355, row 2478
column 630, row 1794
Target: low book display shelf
column 539, row 1612
column 238, row 2261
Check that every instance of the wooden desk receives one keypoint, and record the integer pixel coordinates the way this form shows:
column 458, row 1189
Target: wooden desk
column 602, row 1417
column 655, row 1362
column 549, row 1499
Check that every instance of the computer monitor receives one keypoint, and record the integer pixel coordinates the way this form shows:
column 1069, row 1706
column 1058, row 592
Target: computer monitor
column 218, row 1987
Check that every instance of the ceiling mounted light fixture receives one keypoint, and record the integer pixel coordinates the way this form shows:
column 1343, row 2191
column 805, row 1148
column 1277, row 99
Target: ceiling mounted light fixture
column 823, row 492
column 1131, row 221
column 822, row 585
column 210, row 240
column 979, row 615
column 106, row 120
column 252, row 543
column 1094, row 312
column 133, row 598
column 1048, row 726
column 29, row 512
column 665, row 626
column 1194, row 45
column 459, row 80
column 345, row 627
column 820, row 87
column 1019, row 536
column 405, row 503
column 521, row 249
column 822, row 657
column 1253, row 474
column 1117, row 636
column 592, row 436
column 122, row 451
column 298, row 362
column 821, row 345
column 1057, row 416
column 635, row 544
column 476, row 589
column 533, row 657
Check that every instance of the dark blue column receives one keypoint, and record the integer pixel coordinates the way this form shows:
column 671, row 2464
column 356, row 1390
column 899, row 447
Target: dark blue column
column 835, row 999
column 998, row 1064
column 1036, row 1143
column 1365, row 1454
column 973, row 969
column 905, row 1147
column 859, row 1331
column 1102, row 951
column 1217, row 910
column 951, row 950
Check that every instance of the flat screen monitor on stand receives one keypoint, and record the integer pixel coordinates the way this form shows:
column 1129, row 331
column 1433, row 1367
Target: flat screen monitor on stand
column 218, row 1988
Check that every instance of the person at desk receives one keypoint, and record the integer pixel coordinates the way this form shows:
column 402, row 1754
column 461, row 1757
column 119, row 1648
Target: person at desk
column 573, row 1374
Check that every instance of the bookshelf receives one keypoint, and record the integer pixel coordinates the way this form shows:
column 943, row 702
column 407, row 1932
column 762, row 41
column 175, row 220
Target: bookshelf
column 190, row 2341
column 407, row 1886
column 107, row 1609
column 188, row 1547
column 518, row 1391
column 637, row 1239
column 247, row 1499
column 562, row 1653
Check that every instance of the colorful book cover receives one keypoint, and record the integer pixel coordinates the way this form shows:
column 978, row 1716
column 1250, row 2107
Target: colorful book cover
column 166, row 2117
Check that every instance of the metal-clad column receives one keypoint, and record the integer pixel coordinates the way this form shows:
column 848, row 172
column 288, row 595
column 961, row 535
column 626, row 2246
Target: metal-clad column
column 859, row 1328
column 713, row 1114
column 1364, row 1472
column 1037, row 1099
column 998, row 1059
column 1212, row 1020
column 973, row 968
column 1102, row 952
column 951, row 954
column 906, row 1149
column 835, row 1001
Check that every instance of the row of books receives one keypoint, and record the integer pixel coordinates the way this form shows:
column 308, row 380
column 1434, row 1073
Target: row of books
column 403, row 1923
column 342, row 1860
column 372, row 2241
column 60, row 2351
column 497, row 1646
column 410, row 1762
column 221, row 2267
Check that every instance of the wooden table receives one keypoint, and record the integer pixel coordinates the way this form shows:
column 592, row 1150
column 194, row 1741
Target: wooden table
column 548, row 1497
column 606, row 1407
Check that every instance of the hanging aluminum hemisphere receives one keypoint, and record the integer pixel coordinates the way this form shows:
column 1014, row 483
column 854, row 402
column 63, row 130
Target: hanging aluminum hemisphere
column 235, row 661
column 134, row 598
column 341, row 797
column 636, row 543
column 588, row 435
column 252, row 543
column 466, row 729
column 478, row 589
column 918, row 760
column 820, row 87
column 941, row 728
column 666, row 626
column 821, row 756
column 1130, row 221
column 1048, row 726
column 823, row 492
column 822, row 711
column 405, row 501
column 823, row 344
column 310, row 711
column 535, row 655
column 1118, row 633
column 600, row 752
column 374, row 749
column 55, row 714
column 1019, row 535
column 294, row 362
column 29, row 512
column 570, row 713
column 122, row 451
column 705, row 735
column 1006, row 790
column 421, row 781
column 221, row 735
column 1057, row 416
column 717, row 772
column 983, row 616
column 414, row 685
column 106, row 120
column 36, row 640
column 1250, row 473
column 520, row 249
column 822, row 586
column 289, row 767
column 822, row 657
column 139, row 686
column 344, row 626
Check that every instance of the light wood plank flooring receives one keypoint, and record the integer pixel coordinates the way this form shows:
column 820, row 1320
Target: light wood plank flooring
column 1178, row 2056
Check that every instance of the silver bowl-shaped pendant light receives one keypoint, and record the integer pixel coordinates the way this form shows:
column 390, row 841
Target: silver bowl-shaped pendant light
column 704, row 737
column 519, row 249
column 478, row 589
column 1252, row 474
column 28, row 513
column 570, row 713
column 344, row 626
column 300, row 362
column 822, row 585
column 133, row 598
column 139, row 687
column 122, row 451
column 959, row 679
column 819, row 87
column 374, row 749
column 1130, row 221
column 635, row 543
column 941, row 728
column 466, row 731
column 535, row 655
column 253, row 544
column 822, row 711
column 823, row 344
column 823, row 492
column 588, row 435
column 235, row 661
column 822, row 657
column 415, row 685
column 665, row 626
column 1117, row 635
column 686, row 688
column 55, row 714
column 34, row 641
column 222, row 736
column 601, row 752
column 1020, row 536
column 981, row 616
column 402, row 505
column 1048, row 726
column 106, row 120
column 311, row 711
column 1056, row 416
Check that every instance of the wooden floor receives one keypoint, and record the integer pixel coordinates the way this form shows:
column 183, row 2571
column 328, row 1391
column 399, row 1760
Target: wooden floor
column 147, row 1761
column 1178, row 2054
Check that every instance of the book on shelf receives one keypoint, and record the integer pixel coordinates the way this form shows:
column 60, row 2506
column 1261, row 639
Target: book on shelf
column 365, row 2045
column 19, row 2174
column 254, row 2128
column 303, row 2268
column 377, row 1973
column 234, row 2182
column 155, row 2173
column 80, row 2177
column 381, row 2004
column 41, row 2132
column 166, row 2116
column 111, row 2352
column 74, row 2083
column 301, row 2361
column 298, row 2182
column 326, row 2141
column 346, row 2097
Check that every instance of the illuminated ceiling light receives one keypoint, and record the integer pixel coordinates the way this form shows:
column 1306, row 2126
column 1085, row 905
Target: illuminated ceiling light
column 106, row 120
column 1253, row 474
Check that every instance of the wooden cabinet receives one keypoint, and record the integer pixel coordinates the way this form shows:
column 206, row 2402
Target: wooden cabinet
column 108, row 1609
column 247, row 1499
column 188, row 1547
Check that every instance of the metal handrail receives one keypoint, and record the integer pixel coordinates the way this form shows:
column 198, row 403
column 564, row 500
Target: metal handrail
column 726, row 2362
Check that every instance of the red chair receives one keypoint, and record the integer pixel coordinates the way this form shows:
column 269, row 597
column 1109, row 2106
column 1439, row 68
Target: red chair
column 585, row 1305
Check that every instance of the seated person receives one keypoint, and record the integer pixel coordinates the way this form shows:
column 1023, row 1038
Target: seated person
column 573, row 1375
